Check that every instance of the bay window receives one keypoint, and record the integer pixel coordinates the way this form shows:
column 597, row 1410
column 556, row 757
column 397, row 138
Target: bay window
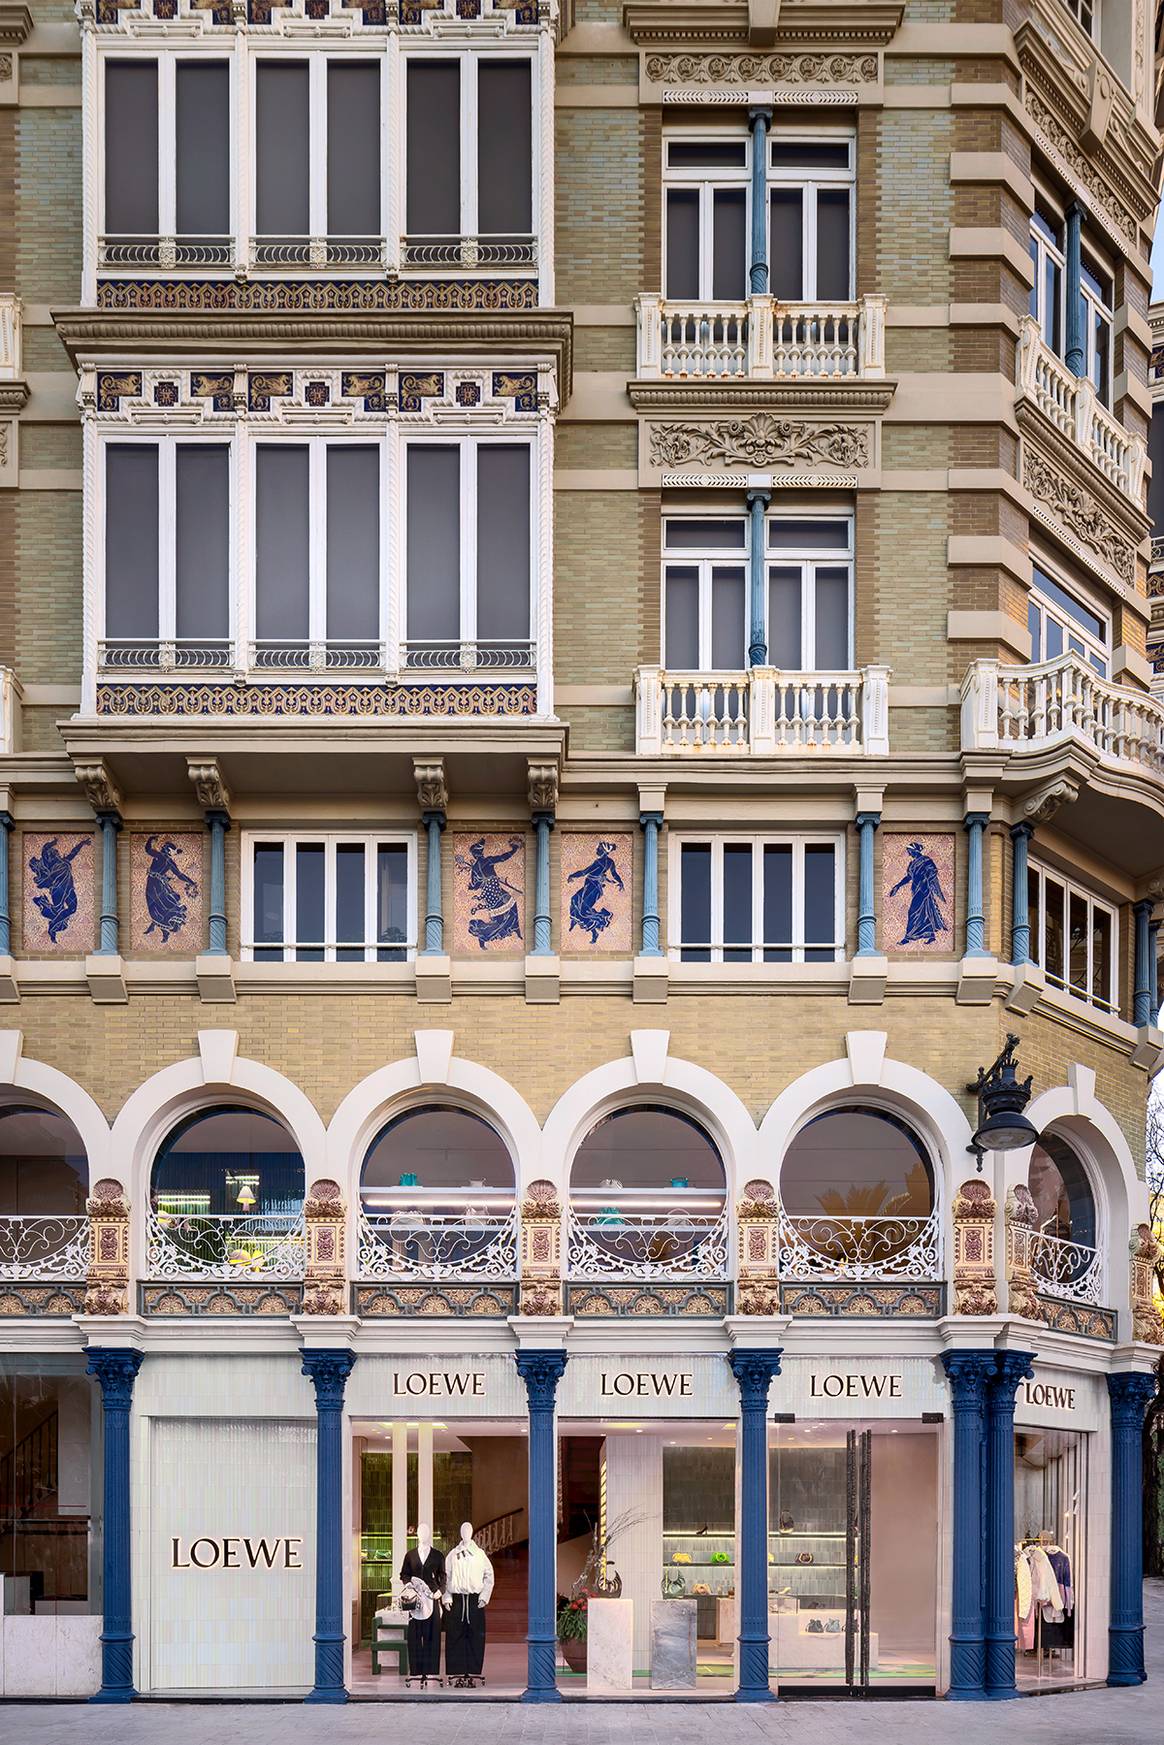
column 469, row 160
column 167, row 147
column 317, row 160
column 329, row 898
column 1074, row 938
column 1085, row 342
column 757, row 899
column 1060, row 622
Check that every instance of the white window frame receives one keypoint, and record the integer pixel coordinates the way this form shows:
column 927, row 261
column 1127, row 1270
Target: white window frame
column 810, row 183
column 797, row 841
column 317, row 63
column 166, row 60
column 290, row 945
column 704, row 562
column 1086, row 14
column 1091, row 263
column 468, row 443
column 1095, row 308
column 706, row 183
column 809, row 561
column 128, row 436
column 1045, row 250
column 1089, row 648
column 1038, row 943
column 470, row 59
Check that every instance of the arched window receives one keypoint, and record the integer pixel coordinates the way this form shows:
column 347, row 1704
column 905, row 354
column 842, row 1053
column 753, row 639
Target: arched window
column 1064, row 1251
column 226, row 1198
column 44, row 1180
column 647, row 1197
column 437, row 1199
column 857, row 1199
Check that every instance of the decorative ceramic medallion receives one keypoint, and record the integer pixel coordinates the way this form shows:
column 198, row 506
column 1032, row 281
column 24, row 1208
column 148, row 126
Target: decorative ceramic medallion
column 167, row 891
column 489, row 895
column 596, row 892
column 917, row 883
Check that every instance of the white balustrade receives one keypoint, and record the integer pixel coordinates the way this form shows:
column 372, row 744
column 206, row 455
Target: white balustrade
column 855, row 1247
column 673, row 1243
column 224, row 1245
column 1027, row 708
column 762, row 711
column 413, row 1242
column 761, row 339
column 1070, row 1270
column 1071, row 404
column 11, row 331
column 44, row 1246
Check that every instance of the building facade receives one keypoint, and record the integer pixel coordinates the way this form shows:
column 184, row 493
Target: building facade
column 497, row 978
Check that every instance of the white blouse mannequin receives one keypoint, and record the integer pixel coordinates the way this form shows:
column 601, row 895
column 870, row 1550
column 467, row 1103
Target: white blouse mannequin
column 467, row 1569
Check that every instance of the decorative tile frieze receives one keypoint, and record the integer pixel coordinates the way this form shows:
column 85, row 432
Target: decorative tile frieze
column 651, row 1302
column 113, row 386
column 1077, row 1318
column 597, row 882
column 59, row 893
column 917, row 902
column 1077, row 512
column 492, row 18
column 488, row 895
column 167, row 891
column 863, row 1302
column 328, row 397
column 366, row 702
column 170, row 1300
column 315, row 296
column 761, row 441
column 402, row 1302
column 58, row 1300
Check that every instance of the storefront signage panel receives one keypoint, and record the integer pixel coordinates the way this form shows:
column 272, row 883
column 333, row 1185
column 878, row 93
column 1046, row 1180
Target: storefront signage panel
column 435, row 1387
column 1061, row 1399
column 859, row 1387
column 648, row 1387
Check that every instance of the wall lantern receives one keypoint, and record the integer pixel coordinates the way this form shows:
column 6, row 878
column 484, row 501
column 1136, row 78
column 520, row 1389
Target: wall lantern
column 1002, row 1097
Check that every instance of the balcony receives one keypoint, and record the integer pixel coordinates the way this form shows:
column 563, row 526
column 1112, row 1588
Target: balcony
column 762, row 713
column 45, row 1246
column 234, row 1247
column 760, row 340
column 1070, row 1271
column 1069, row 402
column 856, row 1249
column 1029, row 709
column 411, row 1243
column 617, row 1242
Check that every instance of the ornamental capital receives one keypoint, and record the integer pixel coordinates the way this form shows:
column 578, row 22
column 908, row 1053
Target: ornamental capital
column 543, row 786
column 116, row 1369
column 754, row 1371
column 98, row 786
column 968, row 1373
column 210, row 790
column 431, row 791
column 1131, row 1392
column 541, row 1371
column 329, row 1371
column 1010, row 1367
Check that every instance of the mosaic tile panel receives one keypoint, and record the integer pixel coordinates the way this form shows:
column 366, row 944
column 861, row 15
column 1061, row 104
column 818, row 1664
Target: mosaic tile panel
column 489, row 895
column 60, row 892
column 167, row 902
column 597, row 883
column 917, row 903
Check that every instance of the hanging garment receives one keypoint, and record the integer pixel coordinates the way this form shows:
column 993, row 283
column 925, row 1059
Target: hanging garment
column 465, row 1637
column 1061, row 1564
column 424, row 1579
column 1044, row 1584
column 1024, row 1600
column 469, row 1571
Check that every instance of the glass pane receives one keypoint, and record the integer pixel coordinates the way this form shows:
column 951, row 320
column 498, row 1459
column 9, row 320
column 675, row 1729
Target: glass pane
column 729, row 231
column 1035, row 626
column 820, row 914
column 784, row 627
column 737, row 901
column 695, row 901
column 434, row 543
column 684, row 535
column 832, row 620
column 349, row 901
column 1033, row 304
column 1101, row 956
column 1078, row 943
column 711, row 154
column 202, row 513
column 683, row 243
column 1054, row 897
column 503, row 553
column 281, row 542
column 51, row 1500
column 353, row 543
column 1101, row 368
column 282, row 148
column 310, row 925
column 833, row 273
column 434, row 149
column 391, row 903
column 1034, row 914
column 728, row 633
column 803, row 154
column 353, row 148
column 1054, row 639
column 681, row 606
column 131, row 148
column 786, row 534
column 202, row 147
column 268, row 899
column 1052, row 292
column 504, row 149
column 786, row 244
column 777, row 903
column 131, row 540
column 1090, row 621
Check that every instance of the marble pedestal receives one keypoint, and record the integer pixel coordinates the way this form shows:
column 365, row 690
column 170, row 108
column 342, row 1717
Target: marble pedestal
column 609, row 1646
column 673, row 1636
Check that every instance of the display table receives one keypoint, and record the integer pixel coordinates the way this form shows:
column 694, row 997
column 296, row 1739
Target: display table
column 794, row 1645
column 609, row 1646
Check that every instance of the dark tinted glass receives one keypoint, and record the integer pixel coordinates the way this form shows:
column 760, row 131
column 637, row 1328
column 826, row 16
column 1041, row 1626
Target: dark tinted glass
column 433, row 168
column 131, row 148
column 504, row 148
column 695, row 901
column 202, row 141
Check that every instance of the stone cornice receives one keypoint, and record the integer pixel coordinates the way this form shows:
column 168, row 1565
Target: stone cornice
column 15, row 25
column 655, row 22
column 717, row 399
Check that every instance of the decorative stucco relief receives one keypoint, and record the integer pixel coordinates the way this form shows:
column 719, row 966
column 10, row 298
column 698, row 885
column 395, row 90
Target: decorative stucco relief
column 1080, row 514
column 760, row 441
column 773, row 69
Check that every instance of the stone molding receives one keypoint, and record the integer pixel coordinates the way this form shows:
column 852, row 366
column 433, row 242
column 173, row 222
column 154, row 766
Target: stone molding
column 759, row 441
column 1078, row 512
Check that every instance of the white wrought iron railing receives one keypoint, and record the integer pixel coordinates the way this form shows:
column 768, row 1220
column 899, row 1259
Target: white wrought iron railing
column 134, row 252
column 468, row 251
column 1071, row 1270
column 472, row 656
column 224, row 1245
column 142, row 654
column 1071, row 404
column 856, row 1247
column 284, row 655
column 608, row 1243
column 415, row 1243
column 761, row 338
column 1027, row 708
column 316, row 253
column 44, row 1246
column 762, row 711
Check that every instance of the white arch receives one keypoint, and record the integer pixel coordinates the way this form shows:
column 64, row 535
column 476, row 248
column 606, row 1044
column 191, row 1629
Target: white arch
column 47, row 1084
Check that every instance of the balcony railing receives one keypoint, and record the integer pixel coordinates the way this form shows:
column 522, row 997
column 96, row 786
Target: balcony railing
column 611, row 1243
column 44, row 1246
column 1071, row 404
column 1071, row 1270
column 167, row 252
column 435, row 656
column 224, row 1245
column 854, row 1247
column 762, row 712
column 415, row 1243
column 1029, row 708
column 148, row 656
column 138, row 654
column 761, row 339
column 316, row 253
column 434, row 252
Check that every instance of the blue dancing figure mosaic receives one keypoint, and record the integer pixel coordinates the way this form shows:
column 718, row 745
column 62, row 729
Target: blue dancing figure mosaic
column 925, row 919
column 487, row 899
column 168, row 909
column 52, row 873
column 588, row 908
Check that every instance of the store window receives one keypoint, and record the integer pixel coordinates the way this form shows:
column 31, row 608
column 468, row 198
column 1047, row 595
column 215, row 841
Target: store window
column 50, row 1489
column 1050, row 1512
column 167, row 144
column 44, row 1177
column 647, row 1198
column 1060, row 622
column 857, row 1199
column 1074, row 938
column 1065, row 1251
column 226, row 1198
column 740, row 900
column 329, row 898
column 437, row 1199
column 469, row 131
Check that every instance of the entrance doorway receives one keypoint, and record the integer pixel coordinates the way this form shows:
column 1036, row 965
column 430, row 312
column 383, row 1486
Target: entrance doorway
column 853, row 1556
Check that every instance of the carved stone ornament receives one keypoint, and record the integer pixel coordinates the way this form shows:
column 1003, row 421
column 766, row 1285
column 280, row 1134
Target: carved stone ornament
column 210, row 790
column 1021, row 1222
column 1080, row 514
column 99, row 787
column 758, row 1297
column 760, row 70
column 543, row 787
column 431, row 792
column 762, row 440
column 325, row 1236
column 541, row 1251
column 758, row 1214
column 1042, row 806
column 1144, row 1251
column 973, row 1212
column 1115, row 213
column 107, row 1281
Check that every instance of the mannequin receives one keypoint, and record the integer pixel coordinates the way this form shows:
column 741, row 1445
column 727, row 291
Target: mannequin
column 469, row 1583
column 423, row 1571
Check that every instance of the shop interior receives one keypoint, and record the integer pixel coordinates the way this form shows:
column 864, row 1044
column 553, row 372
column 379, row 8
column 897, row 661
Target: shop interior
column 50, row 1490
column 1050, row 1490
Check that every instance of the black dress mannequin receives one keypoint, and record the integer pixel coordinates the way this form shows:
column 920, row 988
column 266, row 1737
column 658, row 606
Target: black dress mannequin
column 424, row 1634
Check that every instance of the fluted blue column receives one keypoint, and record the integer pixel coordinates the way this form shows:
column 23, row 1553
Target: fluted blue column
column 754, row 1371
column 652, row 823
column 434, row 920
column 867, row 823
column 1010, row 1367
column 541, row 1372
column 1073, row 351
column 1154, row 971
column 968, row 1373
column 975, row 826
column 116, row 1370
column 329, row 1372
column 758, row 502
column 543, row 824
column 219, row 823
column 1020, row 908
column 7, row 825
column 758, row 269
column 1142, row 1012
column 1130, row 1392
column 110, row 823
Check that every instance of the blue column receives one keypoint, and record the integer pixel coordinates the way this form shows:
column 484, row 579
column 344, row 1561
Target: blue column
column 1010, row 1367
column 758, row 607
column 329, row 1371
column 1073, row 355
column 7, row 824
column 115, row 1371
column 1142, row 1012
column 543, row 824
column 1130, row 1392
column 758, row 270
column 754, row 1371
column 1020, row 924
column 1154, row 970
column 867, row 823
column 968, row 1373
column 975, row 824
column 541, row 1372
column 219, row 823
column 652, row 823
column 434, row 921
column 110, row 823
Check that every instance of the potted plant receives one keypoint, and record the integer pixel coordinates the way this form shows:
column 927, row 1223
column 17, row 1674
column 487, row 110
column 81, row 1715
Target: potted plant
column 572, row 1621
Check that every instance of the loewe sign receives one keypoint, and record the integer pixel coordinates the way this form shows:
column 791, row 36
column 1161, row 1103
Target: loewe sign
column 1049, row 1393
column 625, row 1384
column 854, row 1387
column 440, row 1384
column 237, row 1553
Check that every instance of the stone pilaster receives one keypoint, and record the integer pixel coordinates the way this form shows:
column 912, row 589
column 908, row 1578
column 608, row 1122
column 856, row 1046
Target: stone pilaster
column 325, row 1236
column 975, row 1291
column 107, row 1281
column 541, row 1251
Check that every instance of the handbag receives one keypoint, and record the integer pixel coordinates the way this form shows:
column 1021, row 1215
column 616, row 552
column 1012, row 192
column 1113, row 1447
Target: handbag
column 804, row 1557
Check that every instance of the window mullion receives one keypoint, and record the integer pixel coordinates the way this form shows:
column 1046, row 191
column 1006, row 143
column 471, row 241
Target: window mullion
column 717, row 927
column 468, row 528
column 167, row 146
column 167, row 540
column 468, row 122
column 317, row 145
column 330, row 908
